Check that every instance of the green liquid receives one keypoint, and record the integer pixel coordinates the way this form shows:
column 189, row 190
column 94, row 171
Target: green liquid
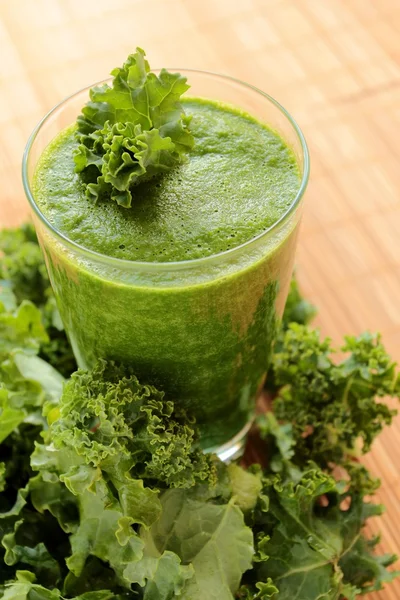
column 202, row 334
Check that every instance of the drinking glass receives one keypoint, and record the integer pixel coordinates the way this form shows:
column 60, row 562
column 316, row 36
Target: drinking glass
column 201, row 330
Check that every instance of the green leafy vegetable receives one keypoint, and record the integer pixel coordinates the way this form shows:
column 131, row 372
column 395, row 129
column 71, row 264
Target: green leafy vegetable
column 132, row 131
column 22, row 266
column 108, row 436
column 25, row 588
column 26, row 383
column 22, row 328
column 26, row 380
column 310, row 539
column 23, row 277
column 163, row 577
column 332, row 406
column 297, row 308
column 106, row 495
column 119, row 425
column 245, row 485
column 212, row 538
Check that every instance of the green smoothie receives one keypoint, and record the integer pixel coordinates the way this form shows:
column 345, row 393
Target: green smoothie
column 201, row 330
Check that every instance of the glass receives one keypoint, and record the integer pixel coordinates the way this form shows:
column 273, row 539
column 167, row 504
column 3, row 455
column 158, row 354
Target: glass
column 202, row 329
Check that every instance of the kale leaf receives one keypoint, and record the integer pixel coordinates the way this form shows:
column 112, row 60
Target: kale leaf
column 23, row 277
column 116, row 423
column 309, row 539
column 297, row 308
column 132, row 130
column 331, row 406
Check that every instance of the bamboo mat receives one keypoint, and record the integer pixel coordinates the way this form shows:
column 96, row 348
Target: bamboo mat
column 333, row 63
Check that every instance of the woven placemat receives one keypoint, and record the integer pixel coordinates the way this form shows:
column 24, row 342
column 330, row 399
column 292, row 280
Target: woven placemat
column 333, row 63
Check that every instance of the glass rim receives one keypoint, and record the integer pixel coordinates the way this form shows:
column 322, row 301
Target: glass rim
column 172, row 265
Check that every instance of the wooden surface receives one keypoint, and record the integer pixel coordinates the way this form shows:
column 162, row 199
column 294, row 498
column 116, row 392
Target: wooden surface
column 333, row 63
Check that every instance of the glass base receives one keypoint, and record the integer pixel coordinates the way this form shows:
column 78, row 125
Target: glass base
column 235, row 447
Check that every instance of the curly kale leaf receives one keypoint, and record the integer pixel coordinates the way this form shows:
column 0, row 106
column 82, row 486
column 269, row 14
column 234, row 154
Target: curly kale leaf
column 259, row 591
column 25, row 587
column 22, row 266
column 109, row 436
column 309, row 539
column 332, row 406
column 212, row 538
column 323, row 411
column 26, row 381
column 21, row 328
column 110, row 419
column 132, row 131
column 297, row 308
column 23, row 277
column 26, row 378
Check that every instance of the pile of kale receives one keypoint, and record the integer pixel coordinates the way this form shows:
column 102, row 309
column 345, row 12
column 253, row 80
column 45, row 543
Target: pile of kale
column 105, row 494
